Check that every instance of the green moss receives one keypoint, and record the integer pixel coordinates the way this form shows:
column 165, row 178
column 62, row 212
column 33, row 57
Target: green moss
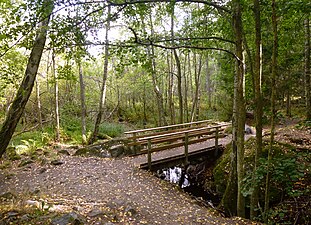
column 220, row 172
column 5, row 165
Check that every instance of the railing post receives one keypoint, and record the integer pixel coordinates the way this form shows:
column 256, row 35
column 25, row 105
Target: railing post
column 135, row 141
column 186, row 148
column 149, row 154
column 216, row 141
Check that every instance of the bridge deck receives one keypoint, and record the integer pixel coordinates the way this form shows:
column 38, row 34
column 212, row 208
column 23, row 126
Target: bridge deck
column 176, row 152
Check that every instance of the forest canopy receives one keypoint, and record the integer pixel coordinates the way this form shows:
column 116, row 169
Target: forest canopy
column 75, row 70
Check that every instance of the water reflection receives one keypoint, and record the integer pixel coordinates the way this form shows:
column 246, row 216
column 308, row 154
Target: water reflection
column 174, row 175
column 178, row 175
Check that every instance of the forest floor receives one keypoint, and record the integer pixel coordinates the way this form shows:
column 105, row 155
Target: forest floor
column 105, row 191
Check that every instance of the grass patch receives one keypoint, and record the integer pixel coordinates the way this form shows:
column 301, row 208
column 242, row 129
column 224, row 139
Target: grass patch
column 112, row 129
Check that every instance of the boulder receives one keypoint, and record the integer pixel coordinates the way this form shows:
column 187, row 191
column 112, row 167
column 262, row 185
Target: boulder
column 116, row 147
column 7, row 196
column 25, row 162
column 117, row 150
column 57, row 162
column 11, row 154
column 71, row 218
column 248, row 130
column 88, row 151
column 130, row 211
column 95, row 213
column 63, row 152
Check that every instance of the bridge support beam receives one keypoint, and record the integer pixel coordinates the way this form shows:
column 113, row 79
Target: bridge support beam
column 149, row 154
column 186, row 148
column 216, row 141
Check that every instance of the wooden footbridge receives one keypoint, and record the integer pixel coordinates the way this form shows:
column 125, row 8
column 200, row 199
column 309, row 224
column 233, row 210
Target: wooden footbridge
column 176, row 137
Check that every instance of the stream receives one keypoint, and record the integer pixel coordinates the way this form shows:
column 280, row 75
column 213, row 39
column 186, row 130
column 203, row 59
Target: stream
column 191, row 179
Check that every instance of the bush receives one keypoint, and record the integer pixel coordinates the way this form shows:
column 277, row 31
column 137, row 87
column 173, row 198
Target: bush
column 111, row 129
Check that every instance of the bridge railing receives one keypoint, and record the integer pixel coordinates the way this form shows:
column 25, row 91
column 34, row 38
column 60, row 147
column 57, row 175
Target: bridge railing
column 136, row 134
column 149, row 143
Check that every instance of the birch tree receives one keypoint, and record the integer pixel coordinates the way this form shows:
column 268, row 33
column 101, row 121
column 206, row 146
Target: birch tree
column 25, row 89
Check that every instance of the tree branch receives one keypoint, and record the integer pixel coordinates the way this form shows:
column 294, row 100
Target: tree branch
column 132, row 2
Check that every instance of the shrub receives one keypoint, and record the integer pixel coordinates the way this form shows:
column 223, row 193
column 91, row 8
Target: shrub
column 111, row 129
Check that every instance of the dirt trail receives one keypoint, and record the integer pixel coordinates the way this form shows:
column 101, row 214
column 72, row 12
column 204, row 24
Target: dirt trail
column 118, row 186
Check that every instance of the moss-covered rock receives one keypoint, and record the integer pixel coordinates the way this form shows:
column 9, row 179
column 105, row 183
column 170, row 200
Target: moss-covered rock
column 116, row 147
column 88, row 151
column 11, row 154
column 221, row 172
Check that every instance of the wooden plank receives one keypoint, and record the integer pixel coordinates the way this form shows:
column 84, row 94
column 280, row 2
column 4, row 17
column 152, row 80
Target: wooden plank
column 180, row 132
column 172, row 137
column 179, row 144
column 165, row 127
column 163, row 132
column 178, row 157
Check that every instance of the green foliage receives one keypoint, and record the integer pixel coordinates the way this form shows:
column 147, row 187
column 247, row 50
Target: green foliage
column 27, row 147
column 220, row 172
column 111, row 129
column 284, row 172
column 66, row 72
column 12, row 67
column 71, row 129
column 28, row 140
column 287, row 168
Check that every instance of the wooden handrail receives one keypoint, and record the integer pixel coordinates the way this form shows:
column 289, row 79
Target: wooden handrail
column 163, row 132
column 184, row 136
column 180, row 132
column 165, row 127
column 173, row 137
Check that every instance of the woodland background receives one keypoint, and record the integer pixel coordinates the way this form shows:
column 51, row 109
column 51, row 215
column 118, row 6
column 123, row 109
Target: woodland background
column 97, row 68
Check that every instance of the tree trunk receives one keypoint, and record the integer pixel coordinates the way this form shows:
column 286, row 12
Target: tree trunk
column 196, row 97
column 288, row 102
column 179, row 87
column 234, row 184
column 186, row 89
column 208, row 85
column 56, row 109
column 307, row 68
column 83, row 106
column 156, row 89
column 104, row 83
column 39, row 103
column 170, row 90
column 240, row 106
column 273, row 110
column 179, row 74
column 259, row 107
column 27, row 84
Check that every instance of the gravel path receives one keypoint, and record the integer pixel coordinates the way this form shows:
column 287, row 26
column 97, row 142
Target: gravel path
column 118, row 186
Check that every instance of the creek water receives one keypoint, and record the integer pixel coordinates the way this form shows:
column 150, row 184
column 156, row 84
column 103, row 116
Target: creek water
column 178, row 175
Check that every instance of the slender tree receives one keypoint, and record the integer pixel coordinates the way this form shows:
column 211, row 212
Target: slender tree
column 273, row 109
column 104, row 82
column 156, row 89
column 83, row 105
column 179, row 73
column 39, row 103
column 307, row 67
column 259, row 106
column 25, row 89
column 56, row 109
column 239, row 105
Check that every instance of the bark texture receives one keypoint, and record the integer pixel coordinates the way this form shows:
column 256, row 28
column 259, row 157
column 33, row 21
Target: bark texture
column 307, row 67
column 259, row 106
column 273, row 110
column 104, row 84
column 83, row 105
column 27, row 84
